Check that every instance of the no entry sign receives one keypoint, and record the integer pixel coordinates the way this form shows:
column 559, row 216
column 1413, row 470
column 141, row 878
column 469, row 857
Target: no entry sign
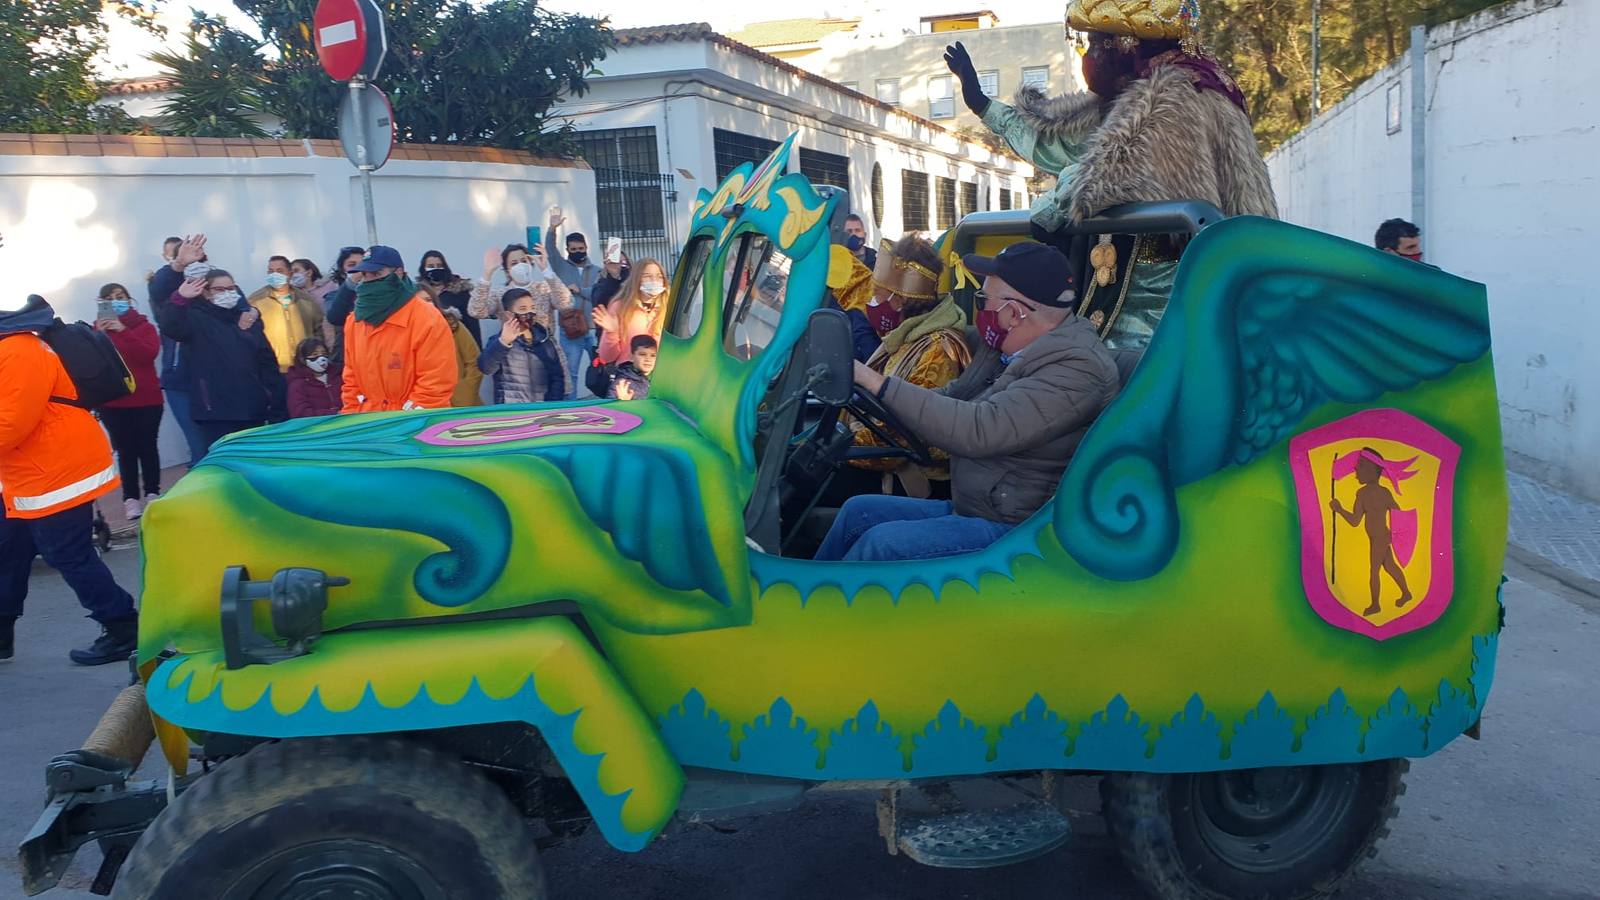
column 349, row 38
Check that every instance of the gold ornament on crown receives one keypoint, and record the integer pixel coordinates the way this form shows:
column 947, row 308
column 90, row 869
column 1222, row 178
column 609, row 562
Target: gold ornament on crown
column 1176, row 20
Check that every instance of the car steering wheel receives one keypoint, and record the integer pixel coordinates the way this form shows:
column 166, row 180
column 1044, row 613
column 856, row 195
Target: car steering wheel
column 900, row 442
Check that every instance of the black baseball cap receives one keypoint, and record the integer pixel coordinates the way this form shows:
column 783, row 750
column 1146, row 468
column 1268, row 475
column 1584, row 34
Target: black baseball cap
column 1038, row 271
column 381, row 257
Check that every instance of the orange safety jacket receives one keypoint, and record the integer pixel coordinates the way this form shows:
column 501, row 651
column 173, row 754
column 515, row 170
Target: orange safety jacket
column 53, row 456
column 406, row 362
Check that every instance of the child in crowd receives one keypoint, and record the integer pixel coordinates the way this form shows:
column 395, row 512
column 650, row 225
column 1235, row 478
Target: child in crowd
column 313, row 389
column 632, row 379
column 522, row 358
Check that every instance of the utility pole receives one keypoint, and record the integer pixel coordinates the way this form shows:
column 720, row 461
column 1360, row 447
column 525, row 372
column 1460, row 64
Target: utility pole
column 1316, row 57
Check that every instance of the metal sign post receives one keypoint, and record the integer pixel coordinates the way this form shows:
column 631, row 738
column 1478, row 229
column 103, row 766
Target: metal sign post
column 351, row 44
column 363, row 162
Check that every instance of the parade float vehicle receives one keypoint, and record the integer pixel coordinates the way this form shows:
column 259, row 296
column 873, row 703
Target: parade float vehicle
column 380, row 653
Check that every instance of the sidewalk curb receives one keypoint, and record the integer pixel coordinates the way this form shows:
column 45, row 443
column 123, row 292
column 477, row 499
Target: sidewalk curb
column 1554, row 571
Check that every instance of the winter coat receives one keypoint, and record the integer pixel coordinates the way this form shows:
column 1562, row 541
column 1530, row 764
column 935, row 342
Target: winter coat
column 163, row 284
column 616, row 346
column 636, row 379
column 139, row 344
column 469, row 378
column 287, row 325
column 582, row 277
column 456, row 295
column 233, row 372
column 607, row 288
column 549, row 295
column 1010, row 430
column 527, row 371
column 408, row 361
column 310, row 395
column 53, row 456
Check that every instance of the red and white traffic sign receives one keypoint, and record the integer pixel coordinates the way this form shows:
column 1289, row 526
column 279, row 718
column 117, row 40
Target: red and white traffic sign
column 349, row 38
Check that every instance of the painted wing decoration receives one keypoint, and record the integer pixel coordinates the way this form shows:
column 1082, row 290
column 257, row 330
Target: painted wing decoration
column 1267, row 323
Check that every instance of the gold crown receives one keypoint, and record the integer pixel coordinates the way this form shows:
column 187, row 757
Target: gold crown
column 906, row 277
column 1147, row 19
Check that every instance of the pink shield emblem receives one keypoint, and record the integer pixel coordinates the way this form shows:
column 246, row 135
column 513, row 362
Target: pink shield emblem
column 1376, row 493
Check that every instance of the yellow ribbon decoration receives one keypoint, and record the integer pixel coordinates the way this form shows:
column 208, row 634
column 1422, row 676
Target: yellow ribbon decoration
column 960, row 274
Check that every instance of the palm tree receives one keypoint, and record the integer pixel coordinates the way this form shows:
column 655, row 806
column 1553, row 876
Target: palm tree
column 218, row 84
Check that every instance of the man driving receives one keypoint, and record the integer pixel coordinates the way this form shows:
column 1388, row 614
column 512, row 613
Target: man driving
column 1010, row 422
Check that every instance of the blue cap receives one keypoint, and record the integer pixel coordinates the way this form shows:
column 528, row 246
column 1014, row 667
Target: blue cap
column 380, row 257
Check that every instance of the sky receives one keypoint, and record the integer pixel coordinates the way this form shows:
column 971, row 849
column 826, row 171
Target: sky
column 128, row 46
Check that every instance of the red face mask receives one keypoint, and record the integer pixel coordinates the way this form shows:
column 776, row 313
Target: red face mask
column 883, row 318
column 989, row 328
column 1414, row 257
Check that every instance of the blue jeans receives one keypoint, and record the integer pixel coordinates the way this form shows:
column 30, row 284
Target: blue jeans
column 877, row 527
column 178, row 402
column 574, row 349
column 65, row 541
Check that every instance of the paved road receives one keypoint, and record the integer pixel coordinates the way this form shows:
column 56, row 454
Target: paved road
column 1515, row 815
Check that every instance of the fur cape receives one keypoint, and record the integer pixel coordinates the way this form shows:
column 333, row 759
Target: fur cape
column 1161, row 139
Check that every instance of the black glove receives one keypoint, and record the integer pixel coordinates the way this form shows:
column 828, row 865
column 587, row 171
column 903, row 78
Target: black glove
column 960, row 64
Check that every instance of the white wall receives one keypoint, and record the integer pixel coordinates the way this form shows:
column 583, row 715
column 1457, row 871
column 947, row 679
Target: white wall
column 72, row 223
column 1513, row 139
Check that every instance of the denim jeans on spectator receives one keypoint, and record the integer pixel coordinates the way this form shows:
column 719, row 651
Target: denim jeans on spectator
column 574, row 348
column 65, row 540
column 178, row 402
column 878, row 527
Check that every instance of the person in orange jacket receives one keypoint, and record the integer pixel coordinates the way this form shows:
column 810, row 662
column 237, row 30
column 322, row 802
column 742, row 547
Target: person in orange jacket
column 54, row 462
column 398, row 350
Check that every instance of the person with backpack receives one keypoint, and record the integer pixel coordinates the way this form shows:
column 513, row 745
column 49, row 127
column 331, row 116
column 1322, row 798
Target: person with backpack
column 134, row 421
column 55, row 462
column 234, row 371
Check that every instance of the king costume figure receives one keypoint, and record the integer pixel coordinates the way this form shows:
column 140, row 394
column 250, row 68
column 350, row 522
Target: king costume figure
column 1161, row 120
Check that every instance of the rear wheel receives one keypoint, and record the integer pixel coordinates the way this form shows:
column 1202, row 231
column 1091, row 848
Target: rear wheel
column 1253, row 834
column 363, row 817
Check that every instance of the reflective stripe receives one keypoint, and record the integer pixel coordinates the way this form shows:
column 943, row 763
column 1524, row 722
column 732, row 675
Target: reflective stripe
column 70, row 492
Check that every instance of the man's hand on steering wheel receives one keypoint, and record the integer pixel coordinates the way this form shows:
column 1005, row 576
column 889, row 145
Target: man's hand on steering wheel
column 869, row 410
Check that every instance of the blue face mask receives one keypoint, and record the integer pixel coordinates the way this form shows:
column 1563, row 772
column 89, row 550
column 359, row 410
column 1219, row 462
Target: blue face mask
column 120, row 306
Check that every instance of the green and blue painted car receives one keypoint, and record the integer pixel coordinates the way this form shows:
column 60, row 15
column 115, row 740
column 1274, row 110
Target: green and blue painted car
column 594, row 612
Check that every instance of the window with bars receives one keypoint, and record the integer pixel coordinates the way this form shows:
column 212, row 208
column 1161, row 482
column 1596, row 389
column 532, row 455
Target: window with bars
column 888, row 90
column 825, row 168
column 632, row 149
column 947, row 202
column 913, row 200
column 1036, row 76
column 733, row 150
column 1016, row 199
column 990, row 82
column 941, row 98
column 877, row 195
column 969, row 197
column 1005, row 199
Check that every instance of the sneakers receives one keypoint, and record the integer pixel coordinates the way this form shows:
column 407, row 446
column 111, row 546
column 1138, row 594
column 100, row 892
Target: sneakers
column 131, row 509
column 8, row 640
column 116, row 643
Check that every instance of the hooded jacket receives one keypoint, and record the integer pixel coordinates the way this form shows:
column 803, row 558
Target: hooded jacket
column 53, row 456
column 1011, row 429
column 139, row 344
column 233, row 372
column 527, row 371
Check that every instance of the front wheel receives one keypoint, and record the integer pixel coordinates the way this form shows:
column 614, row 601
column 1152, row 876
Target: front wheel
column 368, row 817
column 1253, row 834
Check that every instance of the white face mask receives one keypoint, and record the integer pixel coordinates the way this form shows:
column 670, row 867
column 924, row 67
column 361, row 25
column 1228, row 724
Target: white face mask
column 196, row 270
column 521, row 273
column 277, row 279
column 298, row 279
column 318, row 364
column 651, row 287
column 226, row 298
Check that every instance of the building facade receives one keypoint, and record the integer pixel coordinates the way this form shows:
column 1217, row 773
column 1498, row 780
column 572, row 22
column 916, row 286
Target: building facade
column 899, row 59
column 681, row 106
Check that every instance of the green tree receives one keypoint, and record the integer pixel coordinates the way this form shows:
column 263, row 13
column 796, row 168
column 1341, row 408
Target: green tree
column 1266, row 44
column 218, row 83
column 47, row 81
column 455, row 72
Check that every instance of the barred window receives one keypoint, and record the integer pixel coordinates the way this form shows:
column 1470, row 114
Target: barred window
column 825, row 168
column 1016, row 199
column 633, row 149
column 877, row 195
column 1005, row 199
column 913, row 200
column 947, row 202
column 969, row 197
column 733, row 150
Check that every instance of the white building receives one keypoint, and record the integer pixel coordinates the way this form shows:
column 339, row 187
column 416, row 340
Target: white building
column 691, row 104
